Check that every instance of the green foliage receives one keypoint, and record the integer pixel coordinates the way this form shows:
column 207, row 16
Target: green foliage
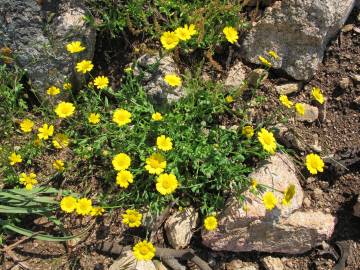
column 154, row 17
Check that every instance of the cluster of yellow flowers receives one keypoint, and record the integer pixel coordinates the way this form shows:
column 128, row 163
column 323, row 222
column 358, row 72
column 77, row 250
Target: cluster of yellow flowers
column 82, row 206
column 170, row 40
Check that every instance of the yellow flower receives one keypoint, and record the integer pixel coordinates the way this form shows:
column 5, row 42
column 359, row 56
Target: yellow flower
column 155, row 164
column 300, row 109
column 123, row 178
column 264, row 61
column 229, row 99
column 45, row 132
column 254, row 183
column 248, row 131
column 267, row 140
column 166, row 183
column 210, row 223
column 128, row 70
column 94, row 118
column 285, row 101
column 157, row 116
column 172, row 80
column 58, row 165
column 83, row 206
column 274, row 55
column 191, row 29
column 67, row 86
column 96, row 211
column 74, row 47
column 169, row 40
column 185, row 33
column 288, row 195
column 269, row 200
column 28, row 180
column 53, row 91
column 60, row 141
column 316, row 93
column 144, row 251
column 121, row 162
column 84, row 66
column 314, row 163
column 101, row 82
column 121, row 117
column 164, row 143
column 68, row 204
column 231, row 34
column 26, row 125
column 64, row 109
column 132, row 218
column 15, row 158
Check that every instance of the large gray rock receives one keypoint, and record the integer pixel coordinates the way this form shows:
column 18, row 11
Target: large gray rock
column 37, row 34
column 298, row 30
column 127, row 261
column 153, row 68
column 285, row 229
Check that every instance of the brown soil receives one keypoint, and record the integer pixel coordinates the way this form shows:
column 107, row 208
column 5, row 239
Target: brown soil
column 339, row 129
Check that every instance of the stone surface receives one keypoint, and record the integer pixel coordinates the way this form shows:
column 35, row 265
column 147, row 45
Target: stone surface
column 179, row 226
column 272, row 263
column 159, row 265
column 154, row 68
column 257, row 76
column 240, row 265
column 285, row 229
column 236, row 75
column 357, row 207
column 344, row 83
column 288, row 137
column 288, row 88
column 298, row 30
column 356, row 78
column 310, row 115
column 127, row 261
column 37, row 34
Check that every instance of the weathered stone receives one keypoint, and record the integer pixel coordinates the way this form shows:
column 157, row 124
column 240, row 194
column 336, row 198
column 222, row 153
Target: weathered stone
column 38, row 34
column 257, row 76
column 357, row 207
column 159, row 265
column 272, row 263
column 288, row 88
column 344, row 83
column 310, row 115
column 240, row 265
column 307, row 202
column 236, row 75
column 154, row 68
column 347, row 28
column 298, row 30
column 127, row 261
column 179, row 226
column 285, row 229
column 288, row 137
column 356, row 78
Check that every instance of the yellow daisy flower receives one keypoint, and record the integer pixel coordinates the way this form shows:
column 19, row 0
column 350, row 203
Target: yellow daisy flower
column 45, row 132
column 121, row 117
column 166, row 183
column 269, row 200
column 26, row 125
column 94, row 118
column 314, row 163
column 101, row 82
column 121, row 162
column 164, row 143
column 68, row 204
column 65, row 109
column 300, row 108
column 229, row 99
column 53, row 91
column 248, row 131
column 288, row 195
column 83, row 206
column 231, row 34
column 84, row 66
column 74, row 47
column 144, row 251
column 67, row 86
column 264, row 61
column 169, row 40
column 317, row 95
column 172, row 80
column 210, row 223
column 132, row 218
column 157, row 116
column 14, row 158
column 123, row 178
column 155, row 164
column 285, row 101
column 97, row 211
column 267, row 140
column 274, row 55
column 58, row 165
column 28, row 180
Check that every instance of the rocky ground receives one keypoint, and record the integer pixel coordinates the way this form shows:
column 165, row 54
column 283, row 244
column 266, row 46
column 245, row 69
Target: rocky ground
column 332, row 131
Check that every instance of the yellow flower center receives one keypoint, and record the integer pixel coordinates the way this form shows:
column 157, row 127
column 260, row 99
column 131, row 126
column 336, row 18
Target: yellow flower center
column 144, row 250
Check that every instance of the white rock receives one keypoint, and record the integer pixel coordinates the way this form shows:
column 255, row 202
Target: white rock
column 310, row 115
column 285, row 229
column 298, row 30
column 236, row 75
column 288, row 88
column 179, row 226
column 272, row 263
column 127, row 261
